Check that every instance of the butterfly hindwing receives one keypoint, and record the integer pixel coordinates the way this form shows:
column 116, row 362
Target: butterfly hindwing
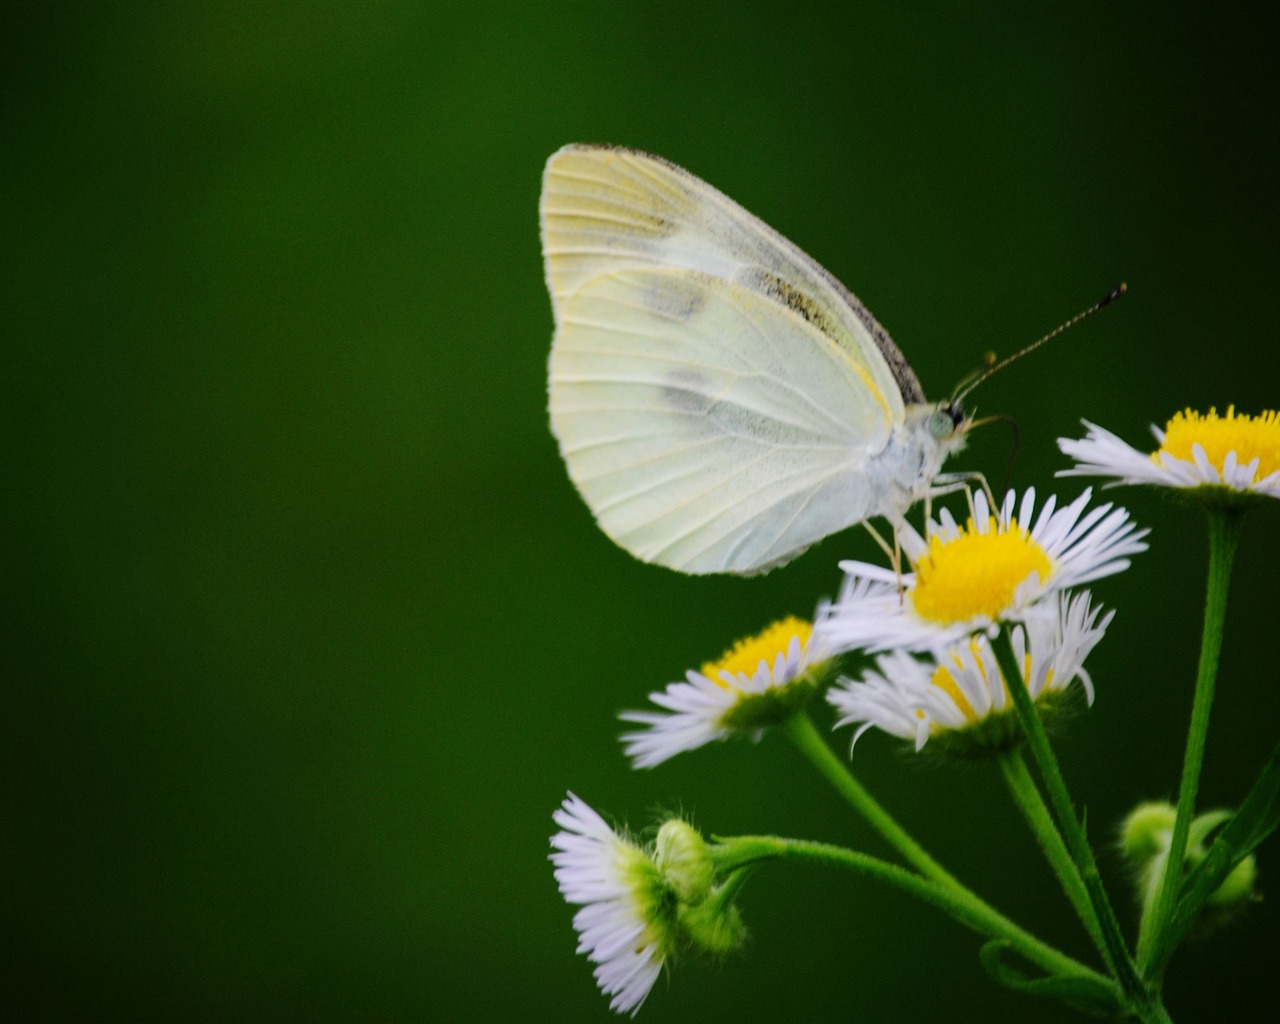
column 709, row 428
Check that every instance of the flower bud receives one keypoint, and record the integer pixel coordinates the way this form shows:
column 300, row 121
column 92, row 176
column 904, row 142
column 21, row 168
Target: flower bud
column 714, row 925
column 681, row 855
column 1237, row 888
column 1146, row 832
column 1145, row 838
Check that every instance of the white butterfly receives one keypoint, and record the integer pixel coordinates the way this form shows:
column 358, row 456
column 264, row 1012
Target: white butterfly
column 721, row 401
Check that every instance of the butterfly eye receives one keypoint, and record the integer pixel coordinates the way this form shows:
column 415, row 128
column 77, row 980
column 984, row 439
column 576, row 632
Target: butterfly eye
column 944, row 421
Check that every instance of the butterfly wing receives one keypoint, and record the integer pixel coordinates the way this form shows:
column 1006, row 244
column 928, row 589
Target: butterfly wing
column 708, row 428
column 605, row 208
column 717, row 396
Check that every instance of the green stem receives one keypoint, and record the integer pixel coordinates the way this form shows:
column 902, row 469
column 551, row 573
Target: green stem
column 964, row 907
column 1072, row 831
column 728, row 890
column 1027, row 796
column 1224, row 536
column 800, row 729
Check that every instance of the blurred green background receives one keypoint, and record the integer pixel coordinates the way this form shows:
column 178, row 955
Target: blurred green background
column 306, row 631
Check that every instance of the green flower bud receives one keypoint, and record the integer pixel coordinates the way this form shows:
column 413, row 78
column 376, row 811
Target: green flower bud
column 681, row 855
column 705, row 913
column 1145, row 837
column 714, row 925
column 1237, row 888
column 1146, row 832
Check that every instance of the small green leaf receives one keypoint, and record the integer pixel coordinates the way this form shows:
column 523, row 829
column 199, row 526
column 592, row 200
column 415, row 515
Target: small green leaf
column 1256, row 819
column 1079, row 990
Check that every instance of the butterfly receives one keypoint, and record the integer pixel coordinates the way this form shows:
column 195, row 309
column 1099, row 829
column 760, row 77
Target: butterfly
column 721, row 401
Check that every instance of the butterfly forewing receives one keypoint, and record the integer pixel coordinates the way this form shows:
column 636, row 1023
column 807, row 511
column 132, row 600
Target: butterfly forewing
column 606, row 208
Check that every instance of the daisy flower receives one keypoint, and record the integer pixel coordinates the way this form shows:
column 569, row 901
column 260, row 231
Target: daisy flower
column 1233, row 453
column 625, row 924
column 756, row 683
column 968, row 579
column 959, row 698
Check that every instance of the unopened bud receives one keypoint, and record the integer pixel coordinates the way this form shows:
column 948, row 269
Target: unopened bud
column 714, row 925
column 681, row 855
column 1145, row 838
column 1146, row 832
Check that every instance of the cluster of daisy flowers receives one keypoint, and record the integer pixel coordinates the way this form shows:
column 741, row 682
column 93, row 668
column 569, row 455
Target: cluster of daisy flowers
column 1013, row 573
column 1017, row 567
column 961, row 695
column 1021, row 569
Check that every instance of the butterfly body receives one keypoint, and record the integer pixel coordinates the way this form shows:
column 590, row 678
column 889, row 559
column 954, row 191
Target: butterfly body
column 721, row 401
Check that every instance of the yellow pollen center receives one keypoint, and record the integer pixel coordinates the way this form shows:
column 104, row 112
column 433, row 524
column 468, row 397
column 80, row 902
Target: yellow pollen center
column 1249, row 437
column 975, row 573
column 745, row 656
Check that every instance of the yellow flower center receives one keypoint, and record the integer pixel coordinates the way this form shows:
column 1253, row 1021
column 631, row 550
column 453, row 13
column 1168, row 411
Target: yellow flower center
column 1249, row 437
column 976, row 573
column 745, row 656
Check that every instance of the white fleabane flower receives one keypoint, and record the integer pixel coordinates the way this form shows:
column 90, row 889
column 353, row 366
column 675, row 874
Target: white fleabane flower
column 968, row 579
column 1231, row 453
column 756, row 683
column 959, row 698
column 638, row 903
column 623, row 925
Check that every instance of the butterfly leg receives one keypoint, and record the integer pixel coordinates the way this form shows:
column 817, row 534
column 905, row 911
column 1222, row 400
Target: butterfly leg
column 891, row 552
column 894, row 553
column 950, row 483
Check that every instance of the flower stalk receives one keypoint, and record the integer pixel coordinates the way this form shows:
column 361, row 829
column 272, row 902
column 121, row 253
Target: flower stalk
column 1073, row 832
column 966, row 908
column 1224, row 535
column 800, row 730
column 940, row 887
column 1027, row 796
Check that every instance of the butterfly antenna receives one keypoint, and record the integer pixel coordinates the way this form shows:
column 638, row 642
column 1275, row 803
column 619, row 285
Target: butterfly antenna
column 972, row 377
column 969, row 383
